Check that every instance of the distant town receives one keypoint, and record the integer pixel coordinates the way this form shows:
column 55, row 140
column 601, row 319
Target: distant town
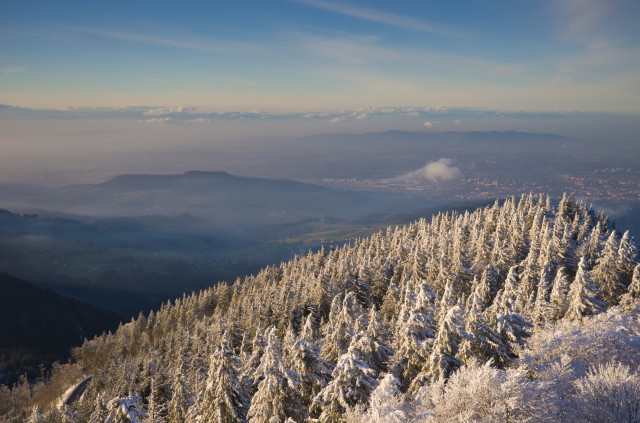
column 610, row 184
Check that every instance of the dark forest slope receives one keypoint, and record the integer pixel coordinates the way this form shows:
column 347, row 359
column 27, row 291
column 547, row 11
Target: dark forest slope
column 40, row 326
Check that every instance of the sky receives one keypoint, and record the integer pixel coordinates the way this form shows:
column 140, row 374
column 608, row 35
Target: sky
column 314, row 56
column 85, row 84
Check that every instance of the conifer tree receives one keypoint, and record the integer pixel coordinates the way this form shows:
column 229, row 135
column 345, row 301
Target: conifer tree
column 442, row 361
column 605, row 274
column 512, row 292
column 157, row 400
column 566, row 207
column 36, row 416
column 509, row 323
column 249, row 374
column 277, row 397
column 376, row 332
column 632, row 297
column 244, row 351
column 480, row 342
column 627, row 258
column 559, row 294
column 449, row 297
column 61, row 415
column 20, row 392
column 583, row 295
column 99, row 412
column 287, row 345
column 344, row 319
column 313, row 371
column 308, row 331
column 5, row 399
column 529, row 282
column 181, row 400
column 353, row 381
column 542, row 310
column 225, row 399
column 386, row 401
column 417, row 333
column 594, row 244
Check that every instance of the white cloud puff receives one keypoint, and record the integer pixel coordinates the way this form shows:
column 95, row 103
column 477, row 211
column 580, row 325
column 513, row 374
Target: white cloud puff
column 440, row 170
column 430, row 124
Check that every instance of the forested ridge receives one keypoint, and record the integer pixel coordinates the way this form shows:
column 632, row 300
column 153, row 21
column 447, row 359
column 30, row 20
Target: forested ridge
column 520, row 311
column 40, row 326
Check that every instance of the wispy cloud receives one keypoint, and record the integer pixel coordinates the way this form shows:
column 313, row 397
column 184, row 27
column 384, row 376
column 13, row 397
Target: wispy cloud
column 366, row 50
column 205, row 45
column 580, row 18
column 372, row 15
column 597, row 24
column 14, row 69
column 233, row 80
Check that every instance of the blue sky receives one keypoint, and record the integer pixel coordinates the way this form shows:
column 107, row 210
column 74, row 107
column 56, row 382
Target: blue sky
column 285, row 56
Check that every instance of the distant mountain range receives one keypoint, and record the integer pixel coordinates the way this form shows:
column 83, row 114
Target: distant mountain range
column 215, row 196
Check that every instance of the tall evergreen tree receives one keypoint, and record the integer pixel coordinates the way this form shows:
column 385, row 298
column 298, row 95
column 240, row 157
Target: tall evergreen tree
column 480, row 343
column 632, row 297
column 157, row 400
column 559, row 294
column 36, row 416
column 583, row 295
column 225, row 399
column 314, row 372
column 627, row 258
column 605, row 274
column 417, row 333
column 352, row 383
column 442, row 361
column 543, row 310
column 181, row 400
column 278, row 396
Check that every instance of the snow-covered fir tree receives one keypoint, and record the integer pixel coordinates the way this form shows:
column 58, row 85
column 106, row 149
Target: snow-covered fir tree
column 278, row 394
column 583, row 295
column 352, row 382
column 224, row 398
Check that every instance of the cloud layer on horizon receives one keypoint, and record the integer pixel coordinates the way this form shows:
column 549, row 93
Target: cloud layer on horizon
column 426, row 117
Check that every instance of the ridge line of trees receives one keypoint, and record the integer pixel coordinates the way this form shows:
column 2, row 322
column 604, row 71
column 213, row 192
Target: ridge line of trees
column 402, row 317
